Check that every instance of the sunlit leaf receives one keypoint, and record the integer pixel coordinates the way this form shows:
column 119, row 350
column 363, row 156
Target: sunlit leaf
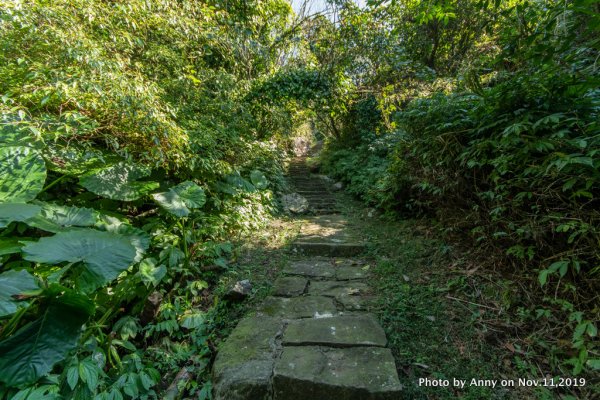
column 150, row 273
column 22, row 174
column 119, row 182
column 104, row 254
column 57, row 218
column 259, row 180
column 181, row 199
column 193, row 320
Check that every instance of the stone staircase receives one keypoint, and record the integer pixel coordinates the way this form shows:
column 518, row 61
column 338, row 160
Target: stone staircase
column 314, row 338
column 314, row 189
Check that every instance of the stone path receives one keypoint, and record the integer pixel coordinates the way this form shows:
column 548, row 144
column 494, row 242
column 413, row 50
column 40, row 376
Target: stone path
column 312, row 188
column 314, row 338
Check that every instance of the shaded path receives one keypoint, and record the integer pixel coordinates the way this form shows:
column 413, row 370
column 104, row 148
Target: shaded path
column 314, row 338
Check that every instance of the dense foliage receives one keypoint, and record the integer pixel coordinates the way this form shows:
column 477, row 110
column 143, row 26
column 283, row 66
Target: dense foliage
column 485, row 116
column 138, row 138
column 131, row 152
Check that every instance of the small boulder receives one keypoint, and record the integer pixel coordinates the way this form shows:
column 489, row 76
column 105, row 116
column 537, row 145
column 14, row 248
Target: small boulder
column 325, row 178
column 294, row 203
column 338, row 186
column 239, row 291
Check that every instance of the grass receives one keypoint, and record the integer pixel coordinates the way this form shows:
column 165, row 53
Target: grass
column 431, row 309
column 259, row 258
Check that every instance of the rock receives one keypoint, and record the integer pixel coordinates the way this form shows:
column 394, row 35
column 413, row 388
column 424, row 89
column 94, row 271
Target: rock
column 310, row 268
column 351, row 295
column 325, row 178
column 328, row 249
column 345, row 273
column 298, row 307
column 294, row 203
column 290, row 286
column 336, row 288
column 244, row 363
column 151, row 308
column 358, row 373
column 239, row 291
column 337, row 331
column 338, row 186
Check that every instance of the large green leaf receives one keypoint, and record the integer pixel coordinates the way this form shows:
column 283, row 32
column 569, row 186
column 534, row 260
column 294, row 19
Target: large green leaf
column 137, row 237
column 180, row 199
column 57, row 218
column 237, row 181
column 10, row 212
column 259, row 180
column 22, row 174
column 118, row 224
column 150, row 273
column 104, row 254
column 171, row 202
column 9, row 246
column 13, row 283
column 119, row 182
column 16, row 133
column 33, row 350
column 193, row 196
column 76, row 160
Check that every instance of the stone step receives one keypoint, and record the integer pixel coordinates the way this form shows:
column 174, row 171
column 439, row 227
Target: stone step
column 349, row 295
column 244, row 364
column 307, row 182
column 339, row 270
column 325, row 212
column 263, row 359
column 290, row 286
column 358, row 373
column 336, row 331
column 298, row 307
column 321, row 199
column 310, row 186
column 328, row 249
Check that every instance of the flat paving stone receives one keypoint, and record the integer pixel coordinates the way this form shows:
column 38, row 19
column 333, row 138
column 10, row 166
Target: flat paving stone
column 352, row 295
column 359, row 373
column 337, row 331
column 311, row 268
column 298, row 307
column 328, row 249
column 335, row 288
column 290, row 286
column 244, row 363
column 347, row 272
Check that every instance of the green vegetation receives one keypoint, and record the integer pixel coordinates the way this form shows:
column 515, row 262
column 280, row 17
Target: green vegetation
column 140, row 141
column 131, row 156
column 484, row 117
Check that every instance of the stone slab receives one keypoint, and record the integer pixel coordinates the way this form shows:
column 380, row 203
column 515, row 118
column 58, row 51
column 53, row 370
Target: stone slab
column 310, row 268
column 337, row 331
column 359, row 373
column 298, row 307
column 290, row 286
column 328, row 249
column 347, row 272
column 244, row 363
column 336, row 288
column 352, row 295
